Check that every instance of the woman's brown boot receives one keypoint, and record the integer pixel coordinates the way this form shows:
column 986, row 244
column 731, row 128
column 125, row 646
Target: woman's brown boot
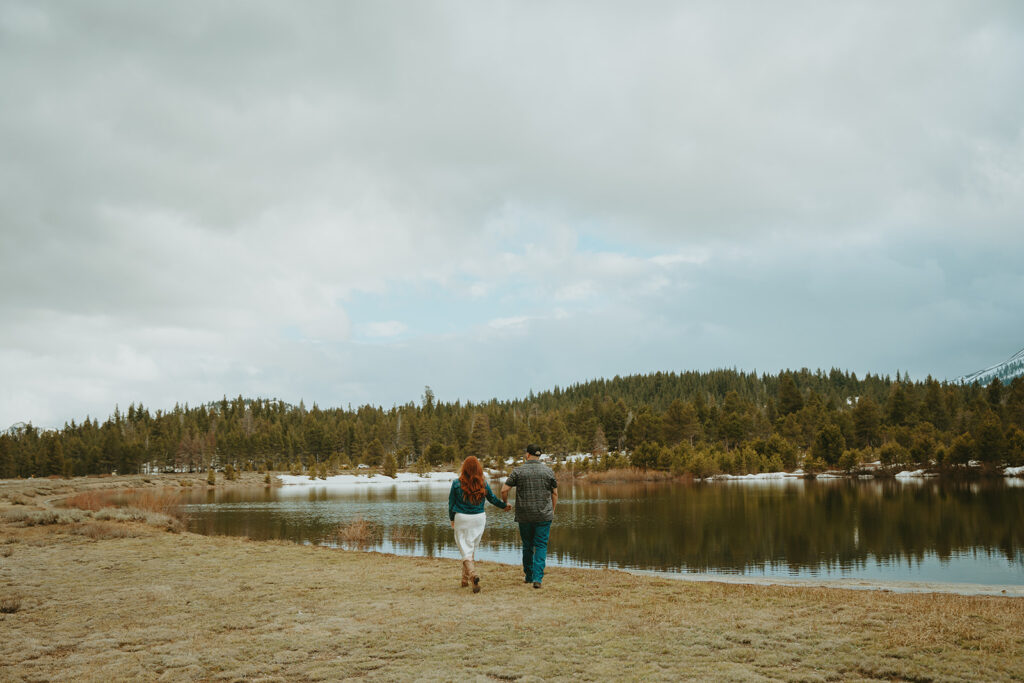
column 465, row 573
column 473, row 577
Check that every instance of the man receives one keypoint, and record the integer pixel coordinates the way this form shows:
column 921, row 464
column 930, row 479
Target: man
column 536, row 498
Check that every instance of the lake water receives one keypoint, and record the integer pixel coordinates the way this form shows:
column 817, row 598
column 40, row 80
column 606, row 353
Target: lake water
column 922, row 530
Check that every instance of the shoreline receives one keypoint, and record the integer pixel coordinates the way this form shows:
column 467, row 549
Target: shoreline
column 879, row 585
column 49, row 492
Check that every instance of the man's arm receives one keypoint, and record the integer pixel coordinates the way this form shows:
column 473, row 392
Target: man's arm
column 510, row 481
column 554, row 499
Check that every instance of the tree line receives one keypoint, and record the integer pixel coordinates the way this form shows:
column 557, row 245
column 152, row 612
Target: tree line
column 722, row 421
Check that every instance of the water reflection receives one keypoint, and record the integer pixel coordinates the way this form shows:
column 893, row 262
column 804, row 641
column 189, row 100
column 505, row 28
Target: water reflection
column 927, row 530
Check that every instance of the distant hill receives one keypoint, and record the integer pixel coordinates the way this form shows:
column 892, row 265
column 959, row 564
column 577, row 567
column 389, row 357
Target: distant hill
column 1005, row 371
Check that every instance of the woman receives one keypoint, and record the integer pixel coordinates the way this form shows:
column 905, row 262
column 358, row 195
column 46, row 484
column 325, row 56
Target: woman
column 466, row 512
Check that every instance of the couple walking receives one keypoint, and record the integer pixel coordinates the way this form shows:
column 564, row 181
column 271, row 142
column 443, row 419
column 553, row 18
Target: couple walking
column 536, row 497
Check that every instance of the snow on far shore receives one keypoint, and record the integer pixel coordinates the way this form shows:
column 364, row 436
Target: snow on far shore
column 406, row 478
column 445, row 478
column 916, row 474
column 757, row 477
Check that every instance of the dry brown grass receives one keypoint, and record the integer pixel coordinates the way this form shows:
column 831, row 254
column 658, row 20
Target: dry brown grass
column 165, row 502
column 90, row 500
column 10, row 604
column 628, row 474
column 307, row 613
column 30, row 517
column 104, row 530
column 357, row 534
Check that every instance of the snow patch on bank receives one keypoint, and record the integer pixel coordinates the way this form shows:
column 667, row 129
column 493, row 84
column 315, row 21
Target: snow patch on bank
column 916, row 474
column 445, row 478
column 763, row 476
column 348, row 480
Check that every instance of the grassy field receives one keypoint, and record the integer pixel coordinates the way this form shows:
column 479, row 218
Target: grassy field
column 83, row 598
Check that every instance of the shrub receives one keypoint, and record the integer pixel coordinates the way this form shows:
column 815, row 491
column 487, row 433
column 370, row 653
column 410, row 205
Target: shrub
column 422, row 466
column 10, row 604
column 812, row 465
column 893, row 454
column 211, row 477
column 702, row 465
column 99, row 531
column 126, row 514
column 164, row 502
column 849, row 460
column 45, row 517
column 646, row 455
column 390, row 465
column 357, row 534
column 156, row 507
column 777, row 446
column 627, row 474
column 90, row 500
column 132, row 514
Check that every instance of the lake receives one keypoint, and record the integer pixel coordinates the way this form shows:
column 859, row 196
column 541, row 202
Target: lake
column 917, row 530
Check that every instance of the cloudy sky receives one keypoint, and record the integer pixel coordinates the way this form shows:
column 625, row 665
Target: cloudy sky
column 344, row 202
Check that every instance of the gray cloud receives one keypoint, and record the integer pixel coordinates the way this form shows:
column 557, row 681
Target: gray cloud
column 193, row 195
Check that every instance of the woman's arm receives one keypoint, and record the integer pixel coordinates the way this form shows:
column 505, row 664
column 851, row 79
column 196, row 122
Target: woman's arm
column 452, row 500
column 494, row 500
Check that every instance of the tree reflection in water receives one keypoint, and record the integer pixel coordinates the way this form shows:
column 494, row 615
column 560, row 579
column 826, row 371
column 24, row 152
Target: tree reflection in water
column 792, row 526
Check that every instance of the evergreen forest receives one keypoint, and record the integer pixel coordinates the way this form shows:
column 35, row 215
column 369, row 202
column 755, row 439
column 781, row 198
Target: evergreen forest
column 698, row 423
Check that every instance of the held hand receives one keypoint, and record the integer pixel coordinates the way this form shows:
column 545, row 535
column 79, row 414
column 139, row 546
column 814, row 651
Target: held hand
column 453, row 523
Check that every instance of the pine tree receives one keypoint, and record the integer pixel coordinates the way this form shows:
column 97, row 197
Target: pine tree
column 600, row 444
column 375, row 453
column 790, row 399
column 829, row 444
column 480, row 438
column 866, row 420
column 390, row 465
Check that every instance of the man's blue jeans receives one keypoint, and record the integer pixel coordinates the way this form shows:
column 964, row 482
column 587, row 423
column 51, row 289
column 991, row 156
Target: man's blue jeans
column 535, row 548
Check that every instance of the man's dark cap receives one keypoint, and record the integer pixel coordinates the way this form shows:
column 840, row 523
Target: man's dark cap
column 533, row 449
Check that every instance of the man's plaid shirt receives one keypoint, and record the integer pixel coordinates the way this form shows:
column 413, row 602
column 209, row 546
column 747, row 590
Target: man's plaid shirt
column 533, row 481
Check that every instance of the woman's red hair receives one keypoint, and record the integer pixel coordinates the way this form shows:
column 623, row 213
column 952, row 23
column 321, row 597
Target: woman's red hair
column 471, row 479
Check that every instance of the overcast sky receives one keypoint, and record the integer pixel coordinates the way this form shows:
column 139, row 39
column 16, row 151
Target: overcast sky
column 344, row 202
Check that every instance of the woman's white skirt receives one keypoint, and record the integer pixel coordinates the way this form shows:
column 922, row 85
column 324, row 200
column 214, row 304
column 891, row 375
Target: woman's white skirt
column 468, row 530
